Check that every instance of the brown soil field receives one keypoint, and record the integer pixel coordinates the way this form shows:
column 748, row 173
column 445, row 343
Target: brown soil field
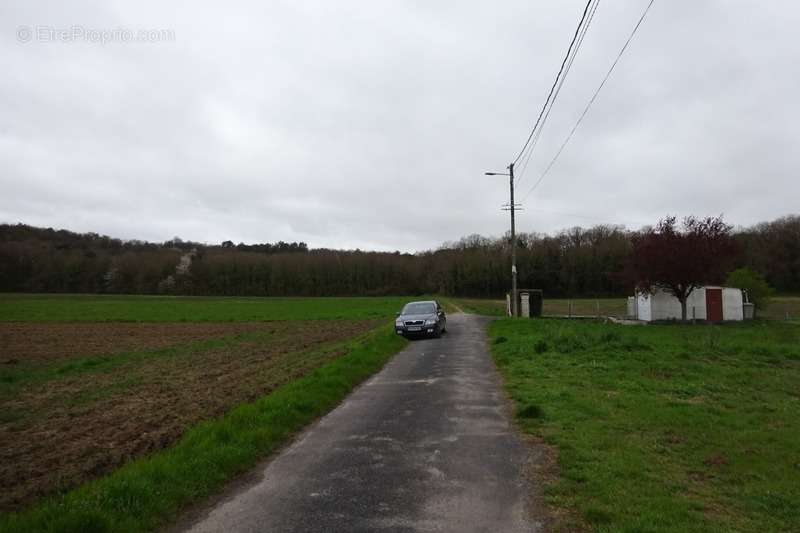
column 64, row 431
column 30, row 341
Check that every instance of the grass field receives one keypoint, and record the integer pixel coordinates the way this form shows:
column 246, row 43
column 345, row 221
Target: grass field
column 779, row 308
column 112, row 308
column 662, row 428
column 478, row 307
column 550, row 306
column 115, row 412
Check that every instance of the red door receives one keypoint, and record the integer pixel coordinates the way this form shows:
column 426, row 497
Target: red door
column 714, row 305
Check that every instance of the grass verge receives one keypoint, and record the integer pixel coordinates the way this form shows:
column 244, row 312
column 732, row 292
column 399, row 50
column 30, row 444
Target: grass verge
column 151, row 491
column 662, row 428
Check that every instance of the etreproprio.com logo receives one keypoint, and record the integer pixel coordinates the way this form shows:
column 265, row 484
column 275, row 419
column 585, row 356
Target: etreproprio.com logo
column 78, row 33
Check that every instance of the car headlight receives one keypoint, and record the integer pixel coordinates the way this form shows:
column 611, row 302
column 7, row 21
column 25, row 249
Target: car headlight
column 398, row 323
column 430, row 322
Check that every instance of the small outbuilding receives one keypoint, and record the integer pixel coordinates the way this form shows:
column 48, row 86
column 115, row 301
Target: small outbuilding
column 714, row 304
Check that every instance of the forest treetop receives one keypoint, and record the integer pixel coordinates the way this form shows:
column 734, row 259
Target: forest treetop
column 576, row 262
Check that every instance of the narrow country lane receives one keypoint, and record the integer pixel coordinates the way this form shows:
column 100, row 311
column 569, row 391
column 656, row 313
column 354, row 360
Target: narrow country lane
column 424, row 445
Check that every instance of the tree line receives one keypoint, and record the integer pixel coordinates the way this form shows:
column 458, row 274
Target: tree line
column 577, row 262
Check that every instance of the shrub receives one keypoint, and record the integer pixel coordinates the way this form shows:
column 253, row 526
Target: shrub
column 530, row 411
column 757, row 288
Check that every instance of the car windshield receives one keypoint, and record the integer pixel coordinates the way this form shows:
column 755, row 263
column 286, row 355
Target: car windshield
column 419, row 308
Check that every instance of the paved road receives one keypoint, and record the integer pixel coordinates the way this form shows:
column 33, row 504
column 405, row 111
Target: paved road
column 424, row 445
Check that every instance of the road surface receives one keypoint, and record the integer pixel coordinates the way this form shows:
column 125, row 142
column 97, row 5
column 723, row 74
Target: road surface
column 424, row 445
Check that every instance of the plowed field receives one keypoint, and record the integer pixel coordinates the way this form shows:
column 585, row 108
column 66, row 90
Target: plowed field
column 79, row 400
column 32, row 341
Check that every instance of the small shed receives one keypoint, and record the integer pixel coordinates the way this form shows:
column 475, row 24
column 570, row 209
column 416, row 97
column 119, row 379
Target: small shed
column 529, row 303
column 714, row 304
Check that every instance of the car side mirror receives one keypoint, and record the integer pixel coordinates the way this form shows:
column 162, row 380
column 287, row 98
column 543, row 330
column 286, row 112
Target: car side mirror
column 397, row 313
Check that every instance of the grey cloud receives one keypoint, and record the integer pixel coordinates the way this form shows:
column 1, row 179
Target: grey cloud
column 370, row 124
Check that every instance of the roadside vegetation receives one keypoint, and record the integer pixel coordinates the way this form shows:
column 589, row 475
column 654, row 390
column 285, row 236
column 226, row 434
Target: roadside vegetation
column 661, row 428
column 108, row 425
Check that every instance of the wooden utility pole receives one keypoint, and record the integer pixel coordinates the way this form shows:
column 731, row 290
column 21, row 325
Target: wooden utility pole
column 511, row 207
column 514, row 303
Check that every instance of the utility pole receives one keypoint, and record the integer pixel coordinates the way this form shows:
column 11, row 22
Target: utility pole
column 514, row 303
column 511, row 207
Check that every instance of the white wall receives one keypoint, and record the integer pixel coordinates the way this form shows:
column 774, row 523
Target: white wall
column 696, row 300
column 643, row 302
column 664, row 306
column 732, row 304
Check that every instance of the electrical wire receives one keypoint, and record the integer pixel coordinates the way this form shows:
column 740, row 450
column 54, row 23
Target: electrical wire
column 555, row 82
column 590, row 218
column 591, row 101
column 585, row 29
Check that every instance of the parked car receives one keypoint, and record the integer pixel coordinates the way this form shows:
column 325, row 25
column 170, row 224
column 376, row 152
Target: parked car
column 421, row 318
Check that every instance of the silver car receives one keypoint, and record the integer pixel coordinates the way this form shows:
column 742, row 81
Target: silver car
column 421, row 318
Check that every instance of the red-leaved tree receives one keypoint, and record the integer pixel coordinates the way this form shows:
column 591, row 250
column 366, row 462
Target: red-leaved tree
column 679, row 260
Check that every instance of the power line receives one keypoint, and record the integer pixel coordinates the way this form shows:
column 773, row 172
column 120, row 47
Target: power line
column 558, row 90
column 591, row 101
column 584, row 30
column 555, row 82
column 591, row 218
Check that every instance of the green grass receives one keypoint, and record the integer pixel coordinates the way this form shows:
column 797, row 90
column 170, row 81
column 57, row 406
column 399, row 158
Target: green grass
column 148, row 493
column 662, row 428
column 585, row 306
column 479, row 307
column 781, row 306
column 551, row 306
column 113, row 308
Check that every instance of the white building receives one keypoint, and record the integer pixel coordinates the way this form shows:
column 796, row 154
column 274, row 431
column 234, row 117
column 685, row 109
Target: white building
column 714, row 304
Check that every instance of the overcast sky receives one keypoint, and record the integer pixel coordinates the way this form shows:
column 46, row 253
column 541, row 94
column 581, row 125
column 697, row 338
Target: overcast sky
column 370, row 123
